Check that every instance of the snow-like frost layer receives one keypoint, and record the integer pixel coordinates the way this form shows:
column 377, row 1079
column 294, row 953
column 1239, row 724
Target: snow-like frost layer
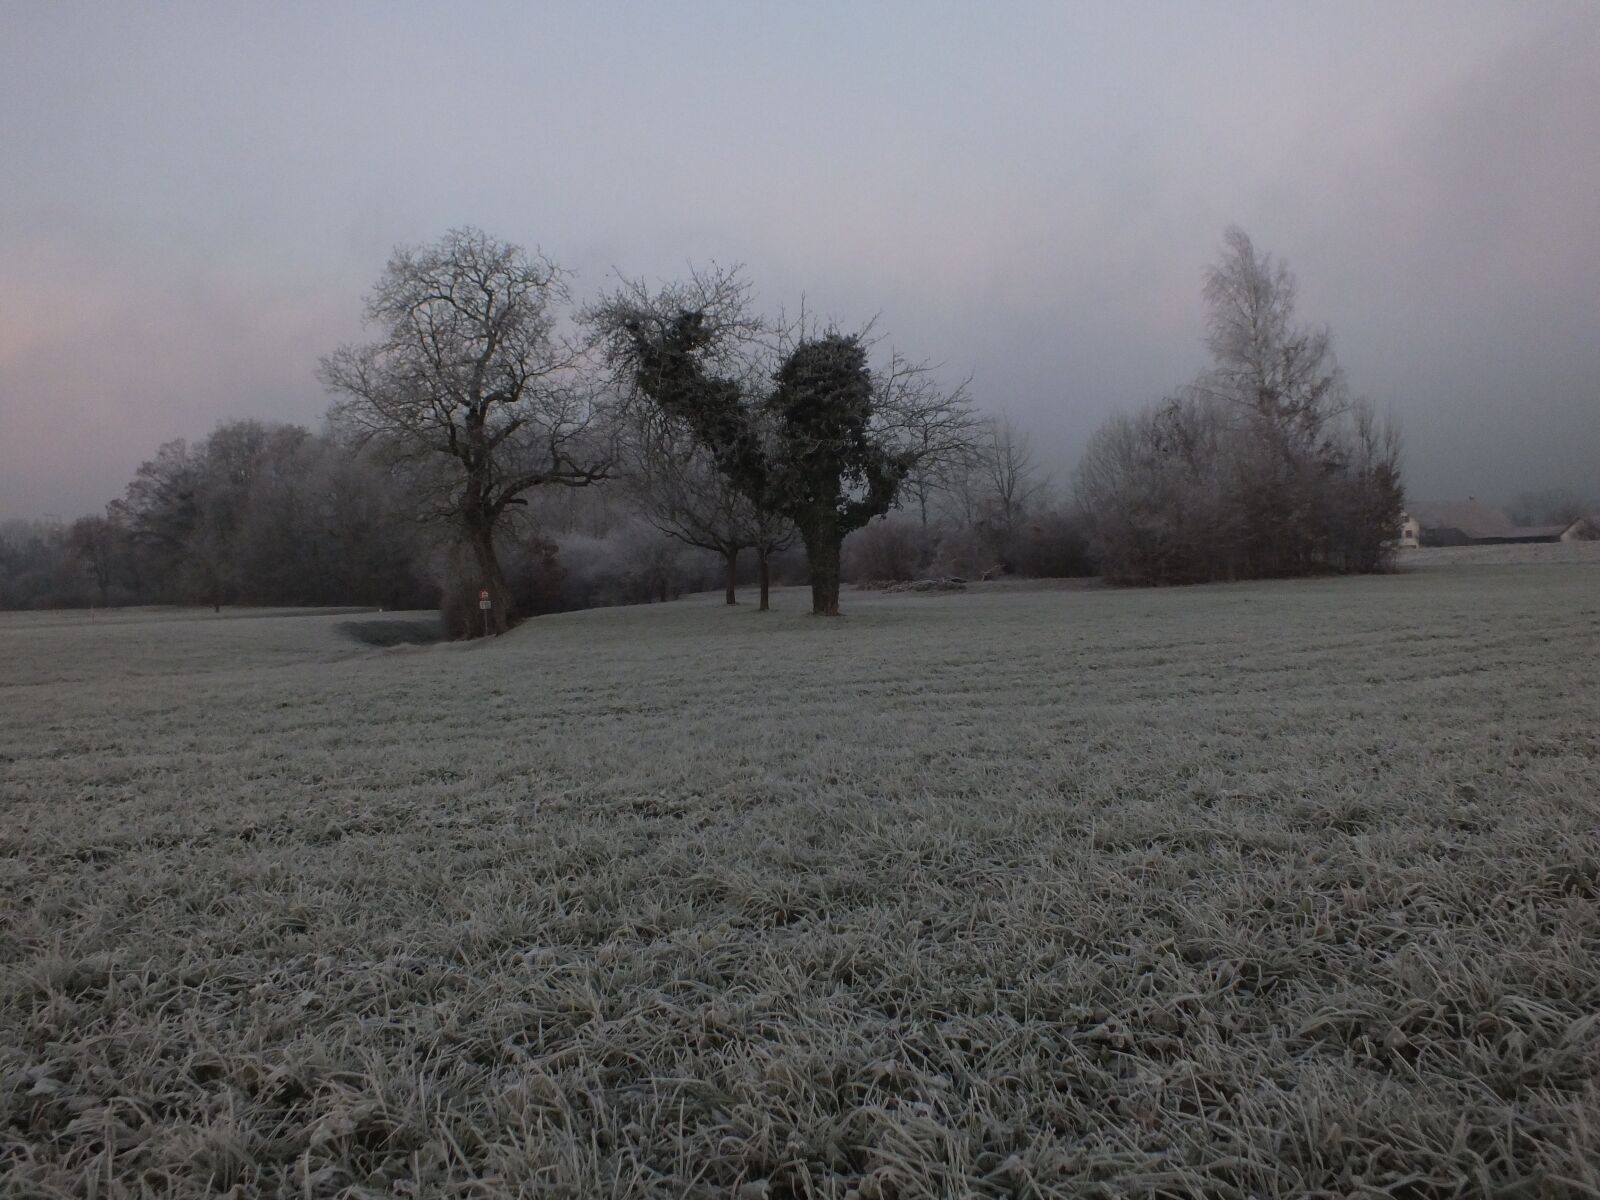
column 1263, row 889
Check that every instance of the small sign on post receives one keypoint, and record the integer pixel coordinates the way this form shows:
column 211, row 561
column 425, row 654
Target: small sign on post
column 485, row 604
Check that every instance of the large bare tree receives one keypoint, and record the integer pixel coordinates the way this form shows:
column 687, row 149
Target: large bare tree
column 1264, row 360
column 471, row 378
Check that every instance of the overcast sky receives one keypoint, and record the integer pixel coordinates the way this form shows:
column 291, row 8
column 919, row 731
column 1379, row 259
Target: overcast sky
column 194, row 198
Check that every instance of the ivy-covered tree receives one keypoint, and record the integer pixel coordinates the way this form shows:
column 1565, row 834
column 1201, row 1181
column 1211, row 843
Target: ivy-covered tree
column 829, row 474
column 799, row 440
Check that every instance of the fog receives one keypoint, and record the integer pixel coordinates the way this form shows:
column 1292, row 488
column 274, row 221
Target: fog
column 195, row 200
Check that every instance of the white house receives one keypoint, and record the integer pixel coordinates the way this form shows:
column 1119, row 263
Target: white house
column 1410, row 532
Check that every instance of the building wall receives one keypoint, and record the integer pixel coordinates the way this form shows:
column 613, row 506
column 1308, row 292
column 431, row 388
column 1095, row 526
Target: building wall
column 1444, row 536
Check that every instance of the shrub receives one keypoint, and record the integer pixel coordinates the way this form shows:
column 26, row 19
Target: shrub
column 891, row 549
column 1053, row 545
column 1186, row 492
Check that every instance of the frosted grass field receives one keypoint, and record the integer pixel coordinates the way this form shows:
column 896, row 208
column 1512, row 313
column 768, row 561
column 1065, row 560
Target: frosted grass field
column 1268, row 889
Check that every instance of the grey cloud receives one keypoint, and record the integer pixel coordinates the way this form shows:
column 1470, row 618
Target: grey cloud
column 197, row 197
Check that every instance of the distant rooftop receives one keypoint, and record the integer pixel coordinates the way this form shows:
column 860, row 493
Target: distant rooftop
column 1478, row 521
column 1472, row 518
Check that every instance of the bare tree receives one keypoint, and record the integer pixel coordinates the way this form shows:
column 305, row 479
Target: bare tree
column 1155, row 489
column 1008, row 475
column 1263, row 360
column 161, row 509
column 937, row 427
column 96, row 542
column 471, row 377
column 683, row 494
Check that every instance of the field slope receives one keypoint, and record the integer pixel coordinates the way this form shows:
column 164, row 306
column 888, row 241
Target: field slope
column 1256, row 890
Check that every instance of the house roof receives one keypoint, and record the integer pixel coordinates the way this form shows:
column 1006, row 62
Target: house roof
column 1473, row 519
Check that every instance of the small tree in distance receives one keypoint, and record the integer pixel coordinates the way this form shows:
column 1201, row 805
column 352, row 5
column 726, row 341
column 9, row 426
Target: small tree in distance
column 1551, row 506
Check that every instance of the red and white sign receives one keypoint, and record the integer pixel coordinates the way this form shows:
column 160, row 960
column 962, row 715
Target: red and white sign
column 484, row 594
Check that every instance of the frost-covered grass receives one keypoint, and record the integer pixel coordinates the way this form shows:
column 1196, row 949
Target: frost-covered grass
column 1268, row 889
column 1521, row 554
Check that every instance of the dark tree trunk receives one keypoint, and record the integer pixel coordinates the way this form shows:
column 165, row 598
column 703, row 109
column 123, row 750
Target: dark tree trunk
column 822, row 555
column 732, row 559
column 492, row 577
column 763, row 556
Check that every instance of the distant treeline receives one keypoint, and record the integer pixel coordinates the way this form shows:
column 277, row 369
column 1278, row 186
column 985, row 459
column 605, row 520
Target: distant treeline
column 671, row 440
column 255, row 514
column 275, row 514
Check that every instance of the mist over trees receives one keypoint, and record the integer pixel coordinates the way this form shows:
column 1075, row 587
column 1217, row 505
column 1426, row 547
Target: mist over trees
column 1264, row 465
column 1550, row 506
column 672, row 439
column 255, row 513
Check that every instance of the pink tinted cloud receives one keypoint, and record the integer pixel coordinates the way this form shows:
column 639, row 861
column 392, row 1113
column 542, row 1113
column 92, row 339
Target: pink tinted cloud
column 101, row 363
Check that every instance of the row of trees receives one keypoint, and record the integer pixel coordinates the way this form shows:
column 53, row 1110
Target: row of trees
column 277, row 514
column 744, row 433
column 736, row 432
column 796, row 431
column 466, row 437
column 257, row 513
